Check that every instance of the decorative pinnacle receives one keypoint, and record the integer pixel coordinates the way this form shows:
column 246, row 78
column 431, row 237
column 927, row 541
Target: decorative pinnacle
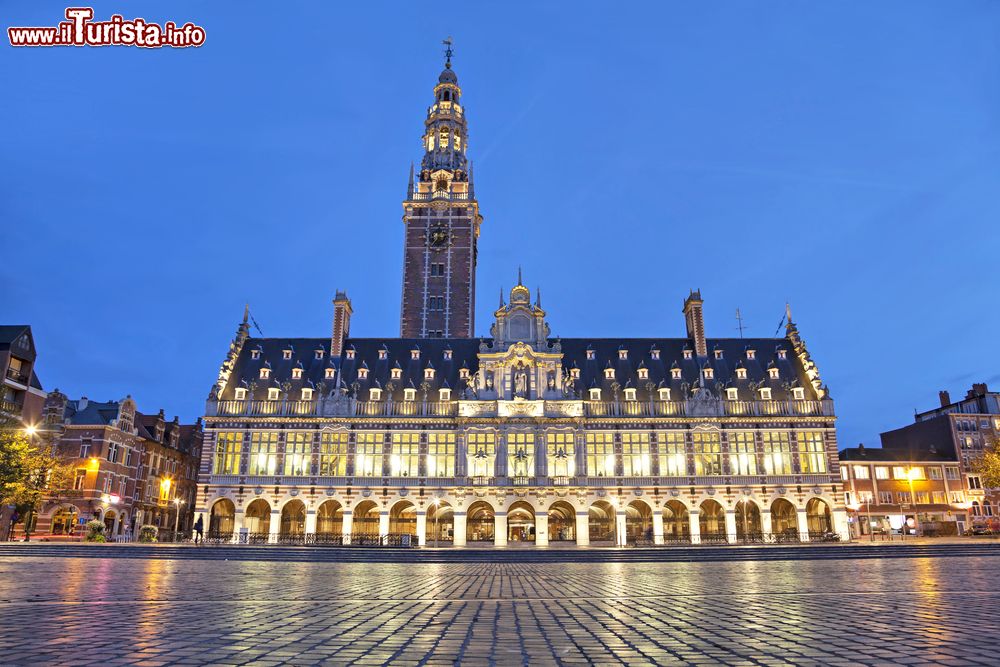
column 448, row 52
column 246, row 313
column 519, row 281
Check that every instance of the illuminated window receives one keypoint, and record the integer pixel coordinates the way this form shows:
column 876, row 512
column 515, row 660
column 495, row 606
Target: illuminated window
column 881, row 472
column 751, row 354
column 368, row 455
column 654, row 354
column 590, row 355
column 675, row 373
column 255, row 354
column 296, row 373
column 444, row 394
column 273, row 394
column 934, row 473
column 574, row 373
column 463, row 373
column 520, row 454
column 777, row 449
column 113, row 452
column 307, row 394
column 265, row 373
column 405, row 459
column 673, row 458
column 643, row 374
column 741, row 374
column 298, row 458
column 350, row 353
column 742, row 453
column 899, row 472
column 330, row 373
column 687, row 354
column 362, row 373
column 623, row 354
column 560, row 454
column 319, row 354
column 414, row 354
column 482, row 451
column 609, row 373
column 595, row 394
column 772, row 373
column 374, row 394
column 397, row 373
column 798, row 393
column 707, row 450
column 443, row 137
column 861, row 472
column 447, row 355
column 630, row 394
column 228, row 446
column 636, row 455
column 428, row 373
column 263, row 453
column 664, row 393
column 812, row 455
column 286, row 354
column 732, row 394
column 781, row 354
column 333, row 454
column 440, row 454
column 383, row 354
column 600, row 454
column 765, row 394
column 241, row 394
column 409, row 394
column 708, row 373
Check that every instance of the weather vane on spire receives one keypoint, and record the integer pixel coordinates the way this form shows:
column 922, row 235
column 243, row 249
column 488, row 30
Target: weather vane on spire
column 448, row 53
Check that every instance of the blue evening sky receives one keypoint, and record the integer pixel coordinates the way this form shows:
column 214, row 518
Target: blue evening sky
column 841, row 156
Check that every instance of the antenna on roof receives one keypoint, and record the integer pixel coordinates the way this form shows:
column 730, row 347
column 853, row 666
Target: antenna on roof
column 739, row 322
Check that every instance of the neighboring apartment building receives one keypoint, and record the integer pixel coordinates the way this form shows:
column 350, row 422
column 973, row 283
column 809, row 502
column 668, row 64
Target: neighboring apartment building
column 21, row 395
column 130, row 467
column 892, row 491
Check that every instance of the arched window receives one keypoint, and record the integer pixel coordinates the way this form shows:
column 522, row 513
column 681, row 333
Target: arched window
column 443, row 137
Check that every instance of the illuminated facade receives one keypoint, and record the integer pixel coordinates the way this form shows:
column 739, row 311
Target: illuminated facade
column 441, row 438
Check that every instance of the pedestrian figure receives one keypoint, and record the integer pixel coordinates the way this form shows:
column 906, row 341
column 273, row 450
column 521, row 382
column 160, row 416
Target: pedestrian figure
column 199, row 529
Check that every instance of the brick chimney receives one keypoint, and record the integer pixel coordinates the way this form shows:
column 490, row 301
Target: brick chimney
column 341, row 323
column 978, row 389
column 695, row 322
column 945, row 398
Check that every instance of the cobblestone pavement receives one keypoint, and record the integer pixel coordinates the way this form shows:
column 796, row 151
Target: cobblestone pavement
column 84, row 611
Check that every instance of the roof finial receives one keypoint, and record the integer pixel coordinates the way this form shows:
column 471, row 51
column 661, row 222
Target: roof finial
column 538, row 296
column 501, row 297
column 409, row 186
column 788, row 312
column 519, row 281
column 246, row 313
column 448, row 53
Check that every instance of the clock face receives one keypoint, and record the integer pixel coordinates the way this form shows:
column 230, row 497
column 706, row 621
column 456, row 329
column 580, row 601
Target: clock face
column 439, row 236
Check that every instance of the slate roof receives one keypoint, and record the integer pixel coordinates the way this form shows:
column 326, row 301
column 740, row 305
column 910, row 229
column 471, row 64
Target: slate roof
column 639, row 352
column 866, row 454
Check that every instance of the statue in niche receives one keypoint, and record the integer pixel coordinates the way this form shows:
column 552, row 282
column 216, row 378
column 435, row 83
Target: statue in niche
column 520, row 383
column 489, row 380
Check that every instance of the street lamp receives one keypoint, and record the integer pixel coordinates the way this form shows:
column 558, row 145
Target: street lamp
column 177, row 515
column 912, row 474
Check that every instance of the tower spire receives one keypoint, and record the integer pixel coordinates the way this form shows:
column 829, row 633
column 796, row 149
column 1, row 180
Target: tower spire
column 409, row 186
column 448, row 52
column 519, row 281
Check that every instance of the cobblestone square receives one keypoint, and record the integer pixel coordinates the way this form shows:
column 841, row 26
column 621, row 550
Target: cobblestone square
column 97, row 611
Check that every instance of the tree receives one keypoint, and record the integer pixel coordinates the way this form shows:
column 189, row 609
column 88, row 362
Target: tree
column 987, row 464
column 30, row 472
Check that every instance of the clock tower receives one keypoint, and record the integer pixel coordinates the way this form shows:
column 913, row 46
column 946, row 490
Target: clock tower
column 441, row 219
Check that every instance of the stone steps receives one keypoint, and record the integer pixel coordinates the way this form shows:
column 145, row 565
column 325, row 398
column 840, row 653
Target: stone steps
column 496, row 555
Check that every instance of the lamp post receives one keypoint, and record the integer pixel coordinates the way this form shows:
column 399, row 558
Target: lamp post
column 177, row 515
column 911, row 474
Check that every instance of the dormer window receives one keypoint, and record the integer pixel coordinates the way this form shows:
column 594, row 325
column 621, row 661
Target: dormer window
column 255, row 354
column 444, row 394
column 765, row 394
column 623, row 354
column 447, row 355
column 463, row 373
column 782, row 354
column 654, row 354
column 609, row 373
column 414, row 354
column 732, row 393
column 643, row 374
column 751, row 354
column 595, row 394
column 664, row 393
column 296, row 373
column 383, row 354
column 272, row 394
column 630, row 394
column 741, row 374
column 675, row 373
column 350, row 353
column 241, row 394
column 374, row 394
column 718, row 354
column 286, row 354
column 590, row 355
column 265, row 373
column 319, row 354
column 574, row 373
column 307, row 394
column 428, row 373
column 798, row 393
column 330, row 373
column 772, row 373
column 397, row 373
column 708, row 373
column 362, row 373
column 410, row 394
column 687, row 354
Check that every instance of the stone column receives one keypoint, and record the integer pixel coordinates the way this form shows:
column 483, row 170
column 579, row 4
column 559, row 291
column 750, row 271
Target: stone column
column 582, row 528
column 765, row 524
column 803, row 524
column 275, row 526
column 541, row 529
column 657, row 526
column 620, row 534
column 694, row 523
column 310, row 522
column 421, row 528
column 731, row 526
column 840, row 523
column 500, row 528
column 383, row 523
column 459, row 519
column 345, row 531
